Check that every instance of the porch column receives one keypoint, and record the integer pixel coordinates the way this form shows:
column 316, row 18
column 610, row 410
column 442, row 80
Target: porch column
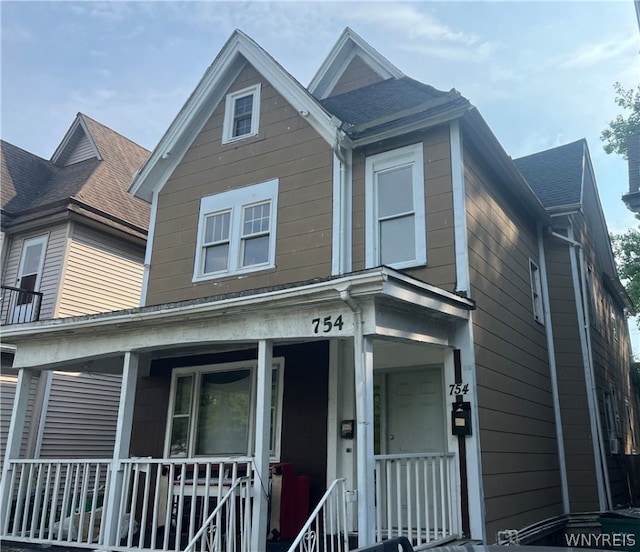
column 261, row 453
column 121, row 446
column 363, row 348
column 14, row 438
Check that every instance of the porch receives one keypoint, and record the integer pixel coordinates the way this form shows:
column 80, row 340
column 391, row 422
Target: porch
column 201, row 422
column 170, row 505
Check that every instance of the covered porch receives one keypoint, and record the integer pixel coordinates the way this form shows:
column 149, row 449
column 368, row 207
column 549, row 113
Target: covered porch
column 233, row 409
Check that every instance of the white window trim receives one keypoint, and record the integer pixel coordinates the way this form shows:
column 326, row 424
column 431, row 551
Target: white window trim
column 536, row 292
column 23, row 256
column 197, row 372
column 235, row 201
column 229, row 110
column 413, row 155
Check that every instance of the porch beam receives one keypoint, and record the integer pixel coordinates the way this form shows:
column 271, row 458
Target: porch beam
column 121, row 446
column 262, row 446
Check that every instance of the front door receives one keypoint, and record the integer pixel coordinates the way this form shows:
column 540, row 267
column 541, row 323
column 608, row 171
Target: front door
column 28, row 280
column 411, row 471
column 414, row 413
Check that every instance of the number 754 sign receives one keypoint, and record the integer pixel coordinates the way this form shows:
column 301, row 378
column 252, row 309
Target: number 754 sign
column 458, row 389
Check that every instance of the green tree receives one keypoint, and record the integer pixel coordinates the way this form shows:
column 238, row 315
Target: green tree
column 615, row 135
column 626, row 248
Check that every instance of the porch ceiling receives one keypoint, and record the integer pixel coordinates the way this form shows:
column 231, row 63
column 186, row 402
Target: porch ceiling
column 308, row 311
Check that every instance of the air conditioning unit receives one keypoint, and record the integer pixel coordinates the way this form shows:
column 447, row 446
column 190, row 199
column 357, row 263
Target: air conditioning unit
column 614, row 446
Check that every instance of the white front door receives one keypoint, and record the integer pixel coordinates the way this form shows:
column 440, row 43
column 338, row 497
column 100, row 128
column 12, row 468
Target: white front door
column 412, row 482
column 28, row 279
column 414, row 412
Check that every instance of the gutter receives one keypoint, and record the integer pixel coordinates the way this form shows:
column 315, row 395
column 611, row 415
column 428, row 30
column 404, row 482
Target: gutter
column 579, row 286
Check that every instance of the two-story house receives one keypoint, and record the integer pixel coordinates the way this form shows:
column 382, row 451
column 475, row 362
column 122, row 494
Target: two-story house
column 73, row 243
column 348, row 308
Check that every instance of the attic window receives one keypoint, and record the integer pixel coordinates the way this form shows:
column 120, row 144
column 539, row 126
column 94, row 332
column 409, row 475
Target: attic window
column 241, row 114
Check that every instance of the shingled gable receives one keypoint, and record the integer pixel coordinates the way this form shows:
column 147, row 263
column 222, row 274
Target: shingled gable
column 564, row 180
column 77, row 145
column 348, row 46
column 210, row 91
column 94, row 186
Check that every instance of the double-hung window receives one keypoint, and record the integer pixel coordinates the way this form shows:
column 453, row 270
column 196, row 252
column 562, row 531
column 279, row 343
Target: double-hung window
column 212, row 409
column 236, row 231
column 242, row 114
column 395, row 208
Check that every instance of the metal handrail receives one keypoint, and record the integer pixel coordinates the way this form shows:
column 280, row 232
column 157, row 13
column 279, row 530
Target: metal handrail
column 312, row 518
column 10, row 303
column 215, row 512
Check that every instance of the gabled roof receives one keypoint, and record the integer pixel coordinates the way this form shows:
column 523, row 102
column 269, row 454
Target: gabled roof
column 564, row 180
column 345, row 49
column 556, row 175
column 33, row 187
column 210, row 91
column 390, row 104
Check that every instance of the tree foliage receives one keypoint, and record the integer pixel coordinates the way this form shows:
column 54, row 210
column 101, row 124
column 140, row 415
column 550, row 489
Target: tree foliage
column 615, row 135
column 626, row 248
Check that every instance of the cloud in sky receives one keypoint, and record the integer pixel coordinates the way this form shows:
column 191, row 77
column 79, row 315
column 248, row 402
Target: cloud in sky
column 540, row 73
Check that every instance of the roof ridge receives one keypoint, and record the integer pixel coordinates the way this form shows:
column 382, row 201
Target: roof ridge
column 102, row 125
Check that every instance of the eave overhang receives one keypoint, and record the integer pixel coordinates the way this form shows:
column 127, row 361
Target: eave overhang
column 210, row 91
column 274, row 314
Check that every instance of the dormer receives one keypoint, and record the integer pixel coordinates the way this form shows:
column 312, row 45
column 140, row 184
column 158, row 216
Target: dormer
column 77, row 145
column 351, row 64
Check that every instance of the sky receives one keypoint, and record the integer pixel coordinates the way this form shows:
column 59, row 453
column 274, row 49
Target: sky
column 541, row 73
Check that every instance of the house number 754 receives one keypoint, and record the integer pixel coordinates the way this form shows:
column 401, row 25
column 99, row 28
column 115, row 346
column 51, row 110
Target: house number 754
column 326, row 324
column 458, row 389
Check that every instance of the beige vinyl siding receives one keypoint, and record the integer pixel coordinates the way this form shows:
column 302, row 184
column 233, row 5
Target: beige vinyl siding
column 81, row 405
column 440, row 268
column 356, row 75
column 8, row 382
column 517, row 429
column 286, row 148
column 83, row 149
column 51, row 270
column 102, row 274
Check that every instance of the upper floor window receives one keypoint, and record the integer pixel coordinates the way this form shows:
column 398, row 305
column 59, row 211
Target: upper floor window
column 536, row 292
column 26, row 304
column 395, row 208
column 236, row 231
column 241, row 114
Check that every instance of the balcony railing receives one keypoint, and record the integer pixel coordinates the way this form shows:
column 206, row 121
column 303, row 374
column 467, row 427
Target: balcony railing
column 18, row 306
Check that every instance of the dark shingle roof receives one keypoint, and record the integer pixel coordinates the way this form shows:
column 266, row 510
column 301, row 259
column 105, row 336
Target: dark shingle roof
column 387, row 104
column 32, row 184
column 555, row 175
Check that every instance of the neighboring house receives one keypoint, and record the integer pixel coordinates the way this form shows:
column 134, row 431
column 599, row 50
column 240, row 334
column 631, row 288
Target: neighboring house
column 349, row 282
column 73, row 243
column 632, row 198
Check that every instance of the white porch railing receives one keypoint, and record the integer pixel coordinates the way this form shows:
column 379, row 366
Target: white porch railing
column 163, row 502
column 326, row 528
column 56, row 501
column 414, row 497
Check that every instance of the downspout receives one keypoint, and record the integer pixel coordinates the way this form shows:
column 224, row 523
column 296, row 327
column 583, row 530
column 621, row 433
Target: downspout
column 579, row 286
column 553, row 369
column 340, row 266
column 364, row 422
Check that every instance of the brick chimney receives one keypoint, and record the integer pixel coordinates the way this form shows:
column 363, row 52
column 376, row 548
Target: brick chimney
column 632, row 199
